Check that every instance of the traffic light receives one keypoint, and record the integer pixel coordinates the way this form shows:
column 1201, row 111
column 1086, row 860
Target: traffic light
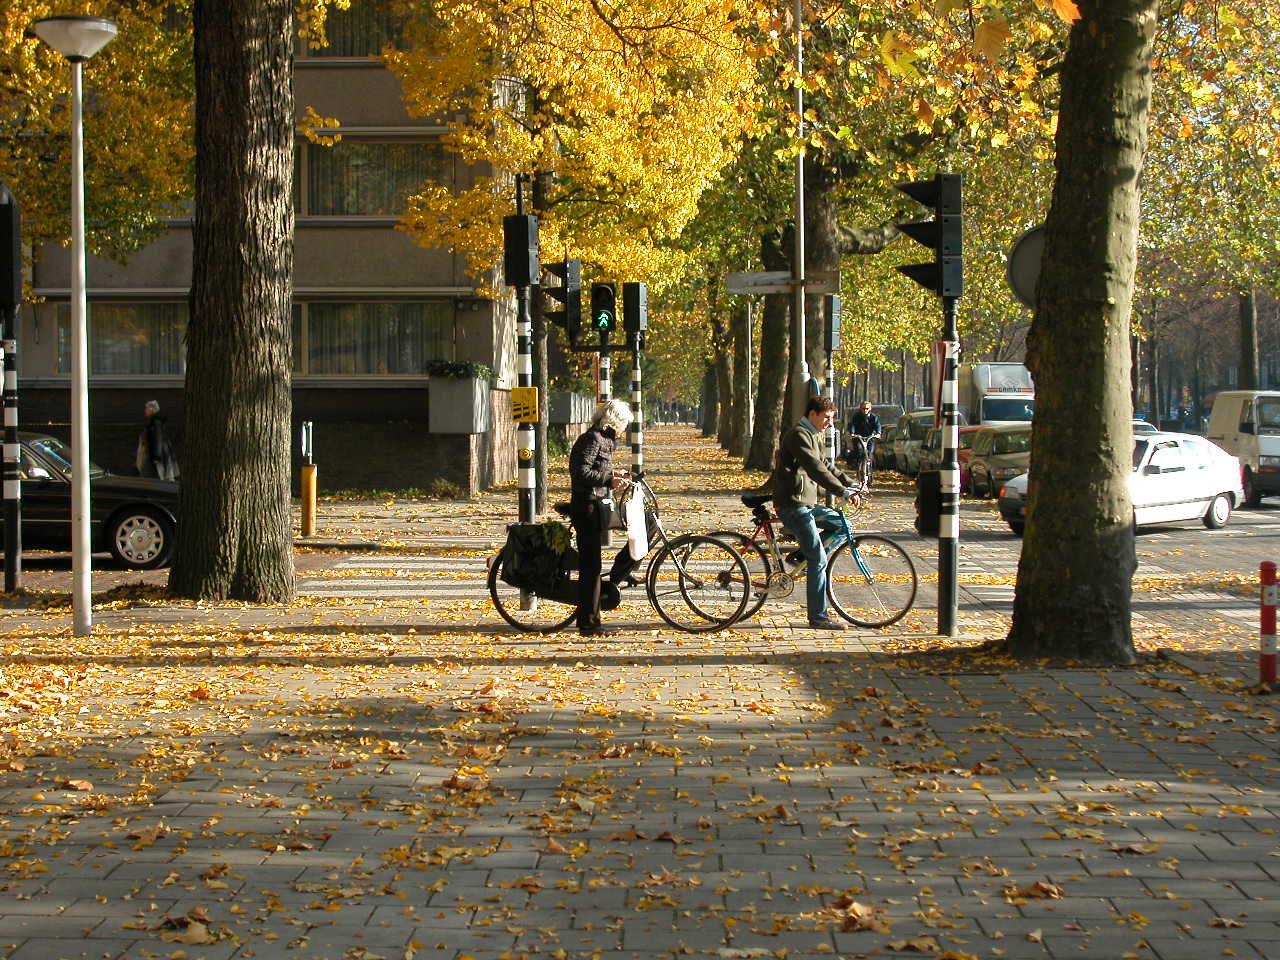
column 635, row 307
column 832, row 323
column 944, row 234
column 604, row 308
column 568, row 293
column 520, row 250
column 10, row 252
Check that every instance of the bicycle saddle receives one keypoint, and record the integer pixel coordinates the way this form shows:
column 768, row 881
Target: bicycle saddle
column 754, row 500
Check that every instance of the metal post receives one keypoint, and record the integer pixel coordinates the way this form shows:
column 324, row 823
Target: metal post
column 10, row 300
column 949, row 520
column 12, row 459
column 1267, row 626
column 637, row 409
column 605, row 385
column 526, row 435
column 800, row 363
column 307, row 478
column 81, row 557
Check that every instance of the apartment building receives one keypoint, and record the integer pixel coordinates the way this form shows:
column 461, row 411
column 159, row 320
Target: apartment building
column 371, row 310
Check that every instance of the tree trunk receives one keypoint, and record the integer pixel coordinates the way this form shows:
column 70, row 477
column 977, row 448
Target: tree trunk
column 236, row 540
column 710, row 401
column 740, row 324
column 1153, row 378
column 773, row 366
column 1074, row 577
column 1248, row 379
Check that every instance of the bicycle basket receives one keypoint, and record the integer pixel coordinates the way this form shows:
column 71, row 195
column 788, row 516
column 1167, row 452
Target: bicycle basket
column 529, row 563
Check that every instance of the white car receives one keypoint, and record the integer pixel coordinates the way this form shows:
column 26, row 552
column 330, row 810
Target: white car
column 1176, row 476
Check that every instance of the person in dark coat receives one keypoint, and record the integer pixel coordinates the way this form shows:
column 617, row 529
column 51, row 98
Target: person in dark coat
column 592, row 477
column 155, row 457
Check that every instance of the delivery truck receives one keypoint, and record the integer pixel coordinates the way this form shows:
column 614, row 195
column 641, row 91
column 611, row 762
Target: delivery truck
column 992, row 393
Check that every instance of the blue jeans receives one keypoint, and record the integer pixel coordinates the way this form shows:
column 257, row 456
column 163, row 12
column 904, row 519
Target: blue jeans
column 809, row 525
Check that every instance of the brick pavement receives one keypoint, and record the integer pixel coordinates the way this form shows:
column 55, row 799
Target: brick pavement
column 398, row 777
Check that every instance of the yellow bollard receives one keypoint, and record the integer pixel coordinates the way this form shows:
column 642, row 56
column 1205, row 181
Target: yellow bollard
column 308, row 500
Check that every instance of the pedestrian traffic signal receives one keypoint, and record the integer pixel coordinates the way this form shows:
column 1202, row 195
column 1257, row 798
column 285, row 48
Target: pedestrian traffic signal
column 520, row 250
column 604, row 308
column 635, row 307
column 569, row 293
column 832, row 325
column 944, row 234
column 10, row 251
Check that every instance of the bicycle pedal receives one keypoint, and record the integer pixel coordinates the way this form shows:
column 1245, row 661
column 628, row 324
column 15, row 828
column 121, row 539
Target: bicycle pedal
column 795, row 556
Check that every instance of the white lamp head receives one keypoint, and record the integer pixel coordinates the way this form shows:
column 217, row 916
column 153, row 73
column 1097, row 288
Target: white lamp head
column 76, row 38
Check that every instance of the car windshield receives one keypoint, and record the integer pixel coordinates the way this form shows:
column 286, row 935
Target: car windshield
column 1007, row 408
column 1017, row 441
column 1139, row 451
column 58, row 454
column 1269, row 413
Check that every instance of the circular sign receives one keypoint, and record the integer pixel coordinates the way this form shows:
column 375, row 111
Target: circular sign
column 1024, row 265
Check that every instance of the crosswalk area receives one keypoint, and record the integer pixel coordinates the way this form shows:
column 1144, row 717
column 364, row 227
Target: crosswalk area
column 376, row 576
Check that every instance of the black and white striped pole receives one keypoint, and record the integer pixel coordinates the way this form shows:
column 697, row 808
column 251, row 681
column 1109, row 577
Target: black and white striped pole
column 831, row 315
column 635, row 320
column 10, row 300
column 521, row 271
column 945, row 277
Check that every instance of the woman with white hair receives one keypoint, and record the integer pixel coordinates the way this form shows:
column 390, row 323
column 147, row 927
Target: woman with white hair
column 591, row 477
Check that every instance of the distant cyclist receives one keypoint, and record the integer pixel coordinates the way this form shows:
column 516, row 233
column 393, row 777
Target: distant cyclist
column 866, row 425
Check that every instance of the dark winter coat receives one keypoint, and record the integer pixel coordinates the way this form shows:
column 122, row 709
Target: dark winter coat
column 591, row 464
column 155, row 453
column 802, row 470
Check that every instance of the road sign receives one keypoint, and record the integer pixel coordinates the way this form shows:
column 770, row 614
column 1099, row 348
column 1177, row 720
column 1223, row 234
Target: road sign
column 779, row 281
column 1024, row 265
column 524, row 404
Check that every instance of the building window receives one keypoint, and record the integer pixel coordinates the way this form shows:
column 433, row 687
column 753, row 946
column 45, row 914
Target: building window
column 364, row 29
column 137, row 339
column 372, row 339
column 360, row 178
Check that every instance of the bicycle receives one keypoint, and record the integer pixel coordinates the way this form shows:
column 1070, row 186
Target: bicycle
column 872, row 581
column 695, row 582
column 859, row 458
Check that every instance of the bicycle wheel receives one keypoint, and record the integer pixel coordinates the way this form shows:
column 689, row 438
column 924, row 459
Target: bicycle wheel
column 543, row 615
column 698, row 583
column 872, row 585
column 759, row 567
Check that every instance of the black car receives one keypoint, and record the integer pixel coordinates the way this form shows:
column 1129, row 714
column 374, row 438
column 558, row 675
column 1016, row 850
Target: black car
column 132, row 517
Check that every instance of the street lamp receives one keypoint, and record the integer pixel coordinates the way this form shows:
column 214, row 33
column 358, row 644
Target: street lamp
column 78, row 38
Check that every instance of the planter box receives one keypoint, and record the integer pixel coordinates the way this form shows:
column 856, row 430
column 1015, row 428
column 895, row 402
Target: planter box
column 458, row 405
column 566, row 407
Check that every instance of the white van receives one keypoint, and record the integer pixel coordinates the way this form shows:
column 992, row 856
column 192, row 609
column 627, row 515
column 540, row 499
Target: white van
column 1246, row 424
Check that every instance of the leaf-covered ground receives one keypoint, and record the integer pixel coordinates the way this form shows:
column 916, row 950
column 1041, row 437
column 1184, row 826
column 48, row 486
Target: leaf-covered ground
column 400, row 777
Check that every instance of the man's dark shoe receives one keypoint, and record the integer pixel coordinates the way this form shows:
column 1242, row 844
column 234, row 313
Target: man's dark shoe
column 795, row 556
column 827, row 624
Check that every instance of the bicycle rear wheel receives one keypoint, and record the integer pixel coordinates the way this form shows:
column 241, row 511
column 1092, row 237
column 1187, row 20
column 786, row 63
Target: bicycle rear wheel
column 872, row 585
column 543, row 615
column 698, row 583
column 759, row 568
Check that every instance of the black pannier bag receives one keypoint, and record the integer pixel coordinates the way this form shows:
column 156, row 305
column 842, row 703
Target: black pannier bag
column 529, row 563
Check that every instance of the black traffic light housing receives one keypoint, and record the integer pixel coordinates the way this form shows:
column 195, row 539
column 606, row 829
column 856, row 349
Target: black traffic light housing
column 604, row 308
column 569, row 293
column 635, row 307
column 520, row 250
column 944, row 234
column 832, row 325
column 10, row 251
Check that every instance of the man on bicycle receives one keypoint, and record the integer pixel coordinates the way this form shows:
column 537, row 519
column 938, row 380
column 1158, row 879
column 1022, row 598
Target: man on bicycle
column 800, row 472
column 866, row 425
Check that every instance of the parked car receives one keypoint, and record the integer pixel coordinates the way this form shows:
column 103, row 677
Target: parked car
column 929, row 457
column 133, row 518
column 1175, row 476
column 999, row 453
column 964, row 452
column 912, row 429
column 883, row 457
column 1144, row 426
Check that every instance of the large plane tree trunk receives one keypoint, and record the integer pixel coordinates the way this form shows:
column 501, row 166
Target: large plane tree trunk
column 1074, row 577
column 235, row 538
column 774, row 362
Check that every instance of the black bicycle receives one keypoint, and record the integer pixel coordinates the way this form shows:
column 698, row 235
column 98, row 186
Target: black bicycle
column 696, row 582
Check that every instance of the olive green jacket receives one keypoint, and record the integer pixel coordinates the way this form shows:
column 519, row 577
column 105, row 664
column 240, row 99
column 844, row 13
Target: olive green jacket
column 801, row 470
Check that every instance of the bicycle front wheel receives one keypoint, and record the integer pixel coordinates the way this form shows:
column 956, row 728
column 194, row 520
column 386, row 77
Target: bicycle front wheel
column 758, row 564
column 698, row 583
column 543, row 615
column 873, row 584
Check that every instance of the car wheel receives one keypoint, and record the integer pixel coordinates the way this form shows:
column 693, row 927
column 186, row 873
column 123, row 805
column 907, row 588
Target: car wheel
column 1017, row 527
column 140, row 538
column 1252, row 496
column 1219, row 512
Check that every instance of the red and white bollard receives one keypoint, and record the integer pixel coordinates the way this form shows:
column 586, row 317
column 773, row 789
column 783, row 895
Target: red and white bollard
column 1267, row 631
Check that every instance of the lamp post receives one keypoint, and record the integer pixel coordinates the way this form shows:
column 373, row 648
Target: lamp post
column 78, row 38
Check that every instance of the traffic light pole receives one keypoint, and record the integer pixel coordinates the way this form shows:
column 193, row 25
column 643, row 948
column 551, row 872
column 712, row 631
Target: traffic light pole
column 604, row 386
column 10, row 301
column 949, row 519
column 521, row 270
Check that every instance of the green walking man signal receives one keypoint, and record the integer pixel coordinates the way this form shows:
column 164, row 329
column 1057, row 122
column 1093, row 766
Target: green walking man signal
column 604, row 307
